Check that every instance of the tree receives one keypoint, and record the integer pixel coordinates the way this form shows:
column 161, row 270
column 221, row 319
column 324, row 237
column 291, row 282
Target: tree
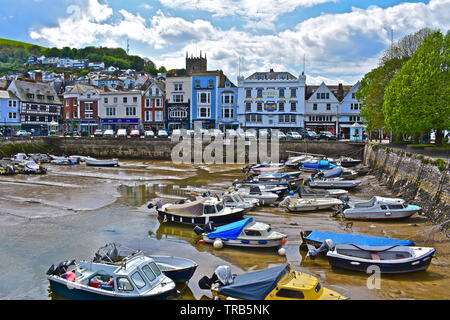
column 417, row 99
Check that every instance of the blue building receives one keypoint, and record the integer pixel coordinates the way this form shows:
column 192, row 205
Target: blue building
column 349, row 112
column 204, row 100
column 227, row 107
column 9, row 113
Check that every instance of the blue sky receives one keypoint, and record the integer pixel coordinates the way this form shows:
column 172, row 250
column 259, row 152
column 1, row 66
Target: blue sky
column 340, row 40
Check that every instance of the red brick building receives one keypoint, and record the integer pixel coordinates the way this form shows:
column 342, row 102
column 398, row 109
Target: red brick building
column 153, row 100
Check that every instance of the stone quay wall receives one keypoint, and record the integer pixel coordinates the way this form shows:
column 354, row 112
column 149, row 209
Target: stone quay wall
column 415, row 178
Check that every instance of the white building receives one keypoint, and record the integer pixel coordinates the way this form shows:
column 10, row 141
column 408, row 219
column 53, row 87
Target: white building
column 178, row 102
column 120, row 110
column 271, row 99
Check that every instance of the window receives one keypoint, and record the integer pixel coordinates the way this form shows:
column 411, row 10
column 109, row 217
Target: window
column 110, row 111
column 259, row 106
column 258, row 118
column 252, row 233
column 293, row 106
column 248, row 93
column 88, row 115
column 293, row 119
column 197, row 83
column 158, row 116
column 138, row 280
column 353, row 95
column 148, row 116
column 105, row 100
column 281, row 93
column 318, row 95
column 149, row 273
column 293, row 92
column 204, row 112
column 327, row 95
column 130, row 111
column 315, row 106
column 155, row 269
column 328, row 106
column 40, row 97
column 134, row 99
column 178, row 87
column 88, row 95
column 281, row 106
column 210, row 83
column 124, row 99
column 228, row 99
column 51, row 98
column 67, row 102
column 147, row 102
column 290, row 294
column 75, row 114
column 124, row 285
column 280, row 118
column 259, row 93
column 178, row 114
column 115, row 99
column 30, row 95
column 248, row 106
column 177, row 98
column 228, row 113
column 12, row 115
column 67, row 115
column 204, row 97
column 88, row 106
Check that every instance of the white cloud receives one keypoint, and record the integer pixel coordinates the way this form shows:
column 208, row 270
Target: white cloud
column 340, row 46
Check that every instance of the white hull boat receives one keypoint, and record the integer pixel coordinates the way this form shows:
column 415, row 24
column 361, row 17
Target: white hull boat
column 334, row 183
column 310, row 204
column 265, row 198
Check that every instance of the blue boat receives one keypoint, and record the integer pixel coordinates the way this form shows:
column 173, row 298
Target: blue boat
column 317, row 165
column 332, row 173
column 316, row 238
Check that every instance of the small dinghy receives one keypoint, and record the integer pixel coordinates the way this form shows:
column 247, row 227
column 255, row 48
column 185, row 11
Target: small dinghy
column 30, row 167
column 316, row 165
column 333, row 183
column 316, row 238
column 263, row 168
column 378, row 208
column 389, row 259
column 64, row 162
column 279, row 176
column 136, row 277
column 198, row 212
column 178, row 269
column 244, row 233
column 255, row 192
column 276, row 283
column 307, row 192
column 331, row 173
column 295, row 162
column 309, row 204
column 102, row 163
column 348, row 162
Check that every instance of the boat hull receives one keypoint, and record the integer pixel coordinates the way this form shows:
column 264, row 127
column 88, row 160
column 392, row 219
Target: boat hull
column 66, row 291
column 91, row 163
column 262, row 243
column 378, row 215
column 201, row 220
column 420, row 264
column 180, row 270
column 310, row 208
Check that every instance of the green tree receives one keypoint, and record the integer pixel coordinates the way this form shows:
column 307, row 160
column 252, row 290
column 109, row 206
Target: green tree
column 417, row 99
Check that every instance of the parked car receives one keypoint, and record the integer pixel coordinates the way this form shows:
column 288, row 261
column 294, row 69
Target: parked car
column 149, row 134
column 327, row 135
column 294, row 135
column 121, row 133
column 162, row 134
column 98, row 133
column 135, row 133
column 108, row 133
column 280, row 135
column 311, row 135
column 23, row 133
column 264, row 133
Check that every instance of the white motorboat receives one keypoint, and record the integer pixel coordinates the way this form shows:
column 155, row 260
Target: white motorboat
column 102, row 163
column 308, row 192
column 265, row 198
column 334, row 183
column 295, row 162
column 309, row 204
column 234, row 199
column 137, row 277
column 244, row 233
column 378, row 208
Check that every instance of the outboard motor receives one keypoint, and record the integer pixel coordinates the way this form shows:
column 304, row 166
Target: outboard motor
column 327, row 245
column 62, row 268
column 209, row 227
column 222, row 274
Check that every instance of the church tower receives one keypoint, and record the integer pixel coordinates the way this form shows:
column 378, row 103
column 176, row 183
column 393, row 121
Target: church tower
column 196, row 65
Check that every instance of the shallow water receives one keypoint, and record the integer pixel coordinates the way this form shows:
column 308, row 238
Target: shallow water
column 72, row 211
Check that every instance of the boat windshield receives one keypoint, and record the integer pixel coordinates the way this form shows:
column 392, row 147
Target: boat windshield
column 138, row 280
column 219, row 207
column 155, row 268
column 209, row 209
column 148, row 273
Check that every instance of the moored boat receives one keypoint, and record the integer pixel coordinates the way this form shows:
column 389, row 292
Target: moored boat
column 102, row 163
column 316, row 165
column 198, row 212
column 378, row 208
column 265, row 198
column 333, row 183
column 137, row 277
column 309, row 204
column 244, row 233
column 276, row 283
column 234, row 199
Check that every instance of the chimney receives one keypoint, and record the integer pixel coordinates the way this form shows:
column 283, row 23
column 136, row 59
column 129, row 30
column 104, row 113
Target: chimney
column 340, row 92
column 271, row 70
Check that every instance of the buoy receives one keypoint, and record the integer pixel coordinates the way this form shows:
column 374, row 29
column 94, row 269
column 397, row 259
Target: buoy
column 282, row 251
column 218, row 244
column 201, row 241
column 283, row 240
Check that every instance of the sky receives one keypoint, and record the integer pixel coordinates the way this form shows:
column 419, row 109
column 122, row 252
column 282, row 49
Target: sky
column 335, row 41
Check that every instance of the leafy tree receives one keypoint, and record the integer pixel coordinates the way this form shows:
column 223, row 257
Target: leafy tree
column 418, row 97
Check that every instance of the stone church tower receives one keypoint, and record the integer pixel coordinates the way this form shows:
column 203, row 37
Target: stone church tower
column 196, row 65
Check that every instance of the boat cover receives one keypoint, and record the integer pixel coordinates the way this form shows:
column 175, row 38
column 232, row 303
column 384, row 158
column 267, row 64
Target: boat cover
column 332, row 173
column 357, row 239
column 275, row 176
column 254, row 285
column 189, row 209
column 321, row 164
column 230, row 231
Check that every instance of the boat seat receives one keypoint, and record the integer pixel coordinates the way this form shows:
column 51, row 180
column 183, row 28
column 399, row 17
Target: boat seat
column 375, row 256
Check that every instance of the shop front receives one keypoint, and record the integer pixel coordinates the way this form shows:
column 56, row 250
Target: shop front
column 116, row 124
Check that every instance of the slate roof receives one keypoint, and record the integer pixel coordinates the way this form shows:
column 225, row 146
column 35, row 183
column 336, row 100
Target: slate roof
column 37, row 88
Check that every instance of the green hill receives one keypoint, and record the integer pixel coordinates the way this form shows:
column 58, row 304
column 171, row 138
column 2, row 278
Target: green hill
column 19, row 44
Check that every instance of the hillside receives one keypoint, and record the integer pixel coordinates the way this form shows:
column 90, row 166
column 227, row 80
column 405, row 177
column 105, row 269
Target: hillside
column 14, row 54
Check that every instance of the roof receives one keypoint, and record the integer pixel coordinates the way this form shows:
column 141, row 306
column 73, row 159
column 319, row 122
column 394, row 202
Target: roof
column 36, row 88
column 82, row 89
column 271, row 76
column 5, row 94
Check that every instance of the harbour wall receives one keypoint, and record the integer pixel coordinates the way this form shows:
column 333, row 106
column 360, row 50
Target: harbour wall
column 161, row 149
column 416, row 178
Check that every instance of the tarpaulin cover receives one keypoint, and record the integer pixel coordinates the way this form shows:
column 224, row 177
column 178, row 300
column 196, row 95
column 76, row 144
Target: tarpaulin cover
column 229, row 231
column 254, row 285
column 322, row 164
column 332, row 173
column 360, row 240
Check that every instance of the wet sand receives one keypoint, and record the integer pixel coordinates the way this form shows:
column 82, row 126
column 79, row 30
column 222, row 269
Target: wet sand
column 72, row 211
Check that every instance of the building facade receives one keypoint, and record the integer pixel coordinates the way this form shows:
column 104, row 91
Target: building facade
column 120, row 110
column 9, row 113
column 178, row 102
column 272, row 100
column 80, row 109
column 227, row 107
column 40, row 105
column 153, row 102
column 349, row 112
